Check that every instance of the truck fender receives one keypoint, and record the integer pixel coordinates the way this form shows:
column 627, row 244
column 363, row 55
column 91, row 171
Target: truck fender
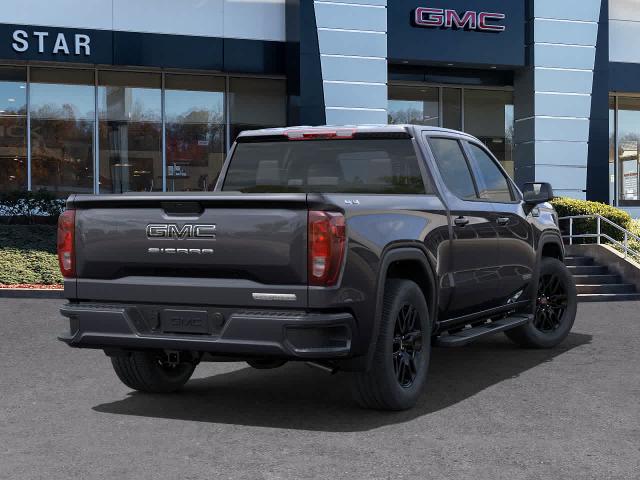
column 546, row 238
column 394, row 255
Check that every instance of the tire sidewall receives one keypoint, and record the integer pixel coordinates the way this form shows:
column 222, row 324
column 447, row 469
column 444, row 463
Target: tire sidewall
column 551, row 339
column 404, row 292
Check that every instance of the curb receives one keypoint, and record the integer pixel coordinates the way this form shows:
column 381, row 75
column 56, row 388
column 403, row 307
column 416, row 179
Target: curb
column 30, row 293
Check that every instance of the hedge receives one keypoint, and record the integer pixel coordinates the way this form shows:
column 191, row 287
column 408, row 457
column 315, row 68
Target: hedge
column 569, row 206
column 28, row 255
column 24, row 207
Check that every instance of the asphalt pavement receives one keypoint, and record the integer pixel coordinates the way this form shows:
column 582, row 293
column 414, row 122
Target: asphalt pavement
column 491, row 411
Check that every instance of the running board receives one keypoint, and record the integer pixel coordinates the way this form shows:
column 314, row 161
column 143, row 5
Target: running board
column 468, row 335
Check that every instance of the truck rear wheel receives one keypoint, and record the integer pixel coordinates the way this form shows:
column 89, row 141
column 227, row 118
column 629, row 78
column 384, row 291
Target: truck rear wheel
column 398, row 372
column 556, row 306
column 147, row 372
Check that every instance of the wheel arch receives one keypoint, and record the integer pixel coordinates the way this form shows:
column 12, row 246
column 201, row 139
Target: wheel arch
column 410, row 263
column 549, row 245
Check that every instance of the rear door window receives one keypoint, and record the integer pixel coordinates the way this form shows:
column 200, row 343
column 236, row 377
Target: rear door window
column 453, row 167
column 377, row 166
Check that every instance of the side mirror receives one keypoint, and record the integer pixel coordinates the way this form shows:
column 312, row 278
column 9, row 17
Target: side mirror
column 535, row 193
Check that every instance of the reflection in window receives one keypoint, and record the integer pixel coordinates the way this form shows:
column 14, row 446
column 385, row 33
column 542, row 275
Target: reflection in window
column 492, row 184
column 13, row 129
column 195, row 131
column 130, row 126
column 612, row 149
column 256, row 103
column 488, row 115
column 414, row 105
column 452, row 108
column 62, row 126
column 628, row 149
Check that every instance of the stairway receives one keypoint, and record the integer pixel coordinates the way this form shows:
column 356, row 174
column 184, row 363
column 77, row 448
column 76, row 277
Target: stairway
column 596, row 283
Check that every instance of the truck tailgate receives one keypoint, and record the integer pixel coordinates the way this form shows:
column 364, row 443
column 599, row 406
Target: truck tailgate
column 218, row 249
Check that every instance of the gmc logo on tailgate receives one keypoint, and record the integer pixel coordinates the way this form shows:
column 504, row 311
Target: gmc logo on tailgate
column 171, row 230
column 447, row 18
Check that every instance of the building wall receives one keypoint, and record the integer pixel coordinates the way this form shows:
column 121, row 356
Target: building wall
column 553, row 96
column 624, row 31
column 255, row 19
column 352, row 37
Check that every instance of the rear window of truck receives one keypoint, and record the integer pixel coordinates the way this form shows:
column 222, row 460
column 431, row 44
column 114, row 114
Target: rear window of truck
column 377, row 166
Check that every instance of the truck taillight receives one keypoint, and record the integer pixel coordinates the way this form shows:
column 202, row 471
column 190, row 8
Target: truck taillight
column 327, row 237
column 66, row 243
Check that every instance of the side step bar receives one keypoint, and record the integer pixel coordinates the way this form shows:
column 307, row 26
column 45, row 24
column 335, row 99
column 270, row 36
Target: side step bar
column 468, row 335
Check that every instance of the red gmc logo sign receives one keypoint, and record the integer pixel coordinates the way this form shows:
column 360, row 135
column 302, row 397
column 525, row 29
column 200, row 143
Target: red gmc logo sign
column 446, row 18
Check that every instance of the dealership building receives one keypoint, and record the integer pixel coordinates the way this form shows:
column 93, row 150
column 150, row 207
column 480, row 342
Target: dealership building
column 108, row 96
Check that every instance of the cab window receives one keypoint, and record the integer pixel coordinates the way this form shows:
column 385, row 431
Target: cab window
column 492, row 183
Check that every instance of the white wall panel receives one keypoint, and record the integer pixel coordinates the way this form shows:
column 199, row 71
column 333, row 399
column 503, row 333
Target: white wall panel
column 351, row 17
column 59, row 13
column 355, row 95
column 255, row 19
column 564, row 56
column 564, row 129
column 562, row 177
column 349, row 42
column 583, row 10
column 560, row 80
column 354, row 69
column 624, row 38
column 342, row 116
column 561, row 153
column 624, row 10
column 187, row 17
column 563, row 105
column 566, row 32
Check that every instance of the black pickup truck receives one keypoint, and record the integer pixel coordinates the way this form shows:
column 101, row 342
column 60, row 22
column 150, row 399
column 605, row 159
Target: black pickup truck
column 350, row 248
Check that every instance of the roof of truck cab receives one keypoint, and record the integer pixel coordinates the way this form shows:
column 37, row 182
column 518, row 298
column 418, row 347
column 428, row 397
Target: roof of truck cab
column 405, row 128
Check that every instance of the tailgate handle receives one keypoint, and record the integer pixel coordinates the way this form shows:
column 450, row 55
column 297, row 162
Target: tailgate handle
column 182, row 208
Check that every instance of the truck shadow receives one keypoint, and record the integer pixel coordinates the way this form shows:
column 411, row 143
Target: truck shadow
column 301, row 398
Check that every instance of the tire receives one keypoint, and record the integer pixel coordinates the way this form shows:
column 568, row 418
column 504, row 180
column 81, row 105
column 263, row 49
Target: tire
column 398, row 372
column 265, row 363
column 556, row 306
column 143, row 371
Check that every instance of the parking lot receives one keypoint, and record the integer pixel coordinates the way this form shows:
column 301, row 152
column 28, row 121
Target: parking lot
column 492, row 411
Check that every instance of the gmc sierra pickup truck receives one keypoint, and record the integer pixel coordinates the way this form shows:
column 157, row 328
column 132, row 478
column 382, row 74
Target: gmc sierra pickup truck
column 350, row 248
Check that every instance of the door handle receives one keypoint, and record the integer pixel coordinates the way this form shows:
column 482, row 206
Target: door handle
column 461, row 221
column 502, row 221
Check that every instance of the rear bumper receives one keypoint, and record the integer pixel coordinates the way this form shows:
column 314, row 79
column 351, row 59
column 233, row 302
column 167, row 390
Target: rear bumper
column 279, row 333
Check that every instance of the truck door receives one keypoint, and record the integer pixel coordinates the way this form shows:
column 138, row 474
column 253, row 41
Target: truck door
column 473, row 259
column 516, row 253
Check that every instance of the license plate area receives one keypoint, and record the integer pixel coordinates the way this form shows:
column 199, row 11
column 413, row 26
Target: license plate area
column 193, row 322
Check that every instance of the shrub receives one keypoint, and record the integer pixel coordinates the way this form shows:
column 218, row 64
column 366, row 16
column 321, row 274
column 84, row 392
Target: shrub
column 28, row 255
column 22, row 206
column 569, row 206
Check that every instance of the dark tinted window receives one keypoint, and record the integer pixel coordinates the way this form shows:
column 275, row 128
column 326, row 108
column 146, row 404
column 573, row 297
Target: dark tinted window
column 453, row 167
column 327, row 166
column 492, row 183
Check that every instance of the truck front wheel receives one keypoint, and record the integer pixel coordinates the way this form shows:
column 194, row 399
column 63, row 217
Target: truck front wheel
column 398, row 373
column 555, row 310
column 148, row 372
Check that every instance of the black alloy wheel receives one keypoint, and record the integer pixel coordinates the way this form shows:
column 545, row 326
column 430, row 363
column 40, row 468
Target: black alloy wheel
column 551, row 304
column 407, row 345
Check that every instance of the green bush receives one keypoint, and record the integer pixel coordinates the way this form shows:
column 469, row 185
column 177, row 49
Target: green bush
column 28, row 255
column 21, row 206
column 569, row 206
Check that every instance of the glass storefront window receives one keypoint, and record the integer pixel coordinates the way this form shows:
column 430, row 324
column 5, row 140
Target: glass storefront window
column 130, row 126
column 62, row 128
column 256, row 103
column 612, row 149
column 488, row 115
column 13, row 128
column 628, row 149
column 452, row 108
column 414, row 105
column 195, row 131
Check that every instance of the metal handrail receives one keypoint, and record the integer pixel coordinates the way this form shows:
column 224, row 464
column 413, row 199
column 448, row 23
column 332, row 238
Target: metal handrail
column 599, row 235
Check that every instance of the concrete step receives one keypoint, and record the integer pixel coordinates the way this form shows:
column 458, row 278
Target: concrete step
column 608, row 297
column 589, row 270
column 596, row 279
column 607, row 288
column 576, row 261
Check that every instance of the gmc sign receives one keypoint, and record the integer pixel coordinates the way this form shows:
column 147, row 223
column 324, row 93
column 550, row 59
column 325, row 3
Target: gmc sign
column 447, row 18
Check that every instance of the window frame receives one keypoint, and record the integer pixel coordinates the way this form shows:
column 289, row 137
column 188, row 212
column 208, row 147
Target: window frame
column 515, row 194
